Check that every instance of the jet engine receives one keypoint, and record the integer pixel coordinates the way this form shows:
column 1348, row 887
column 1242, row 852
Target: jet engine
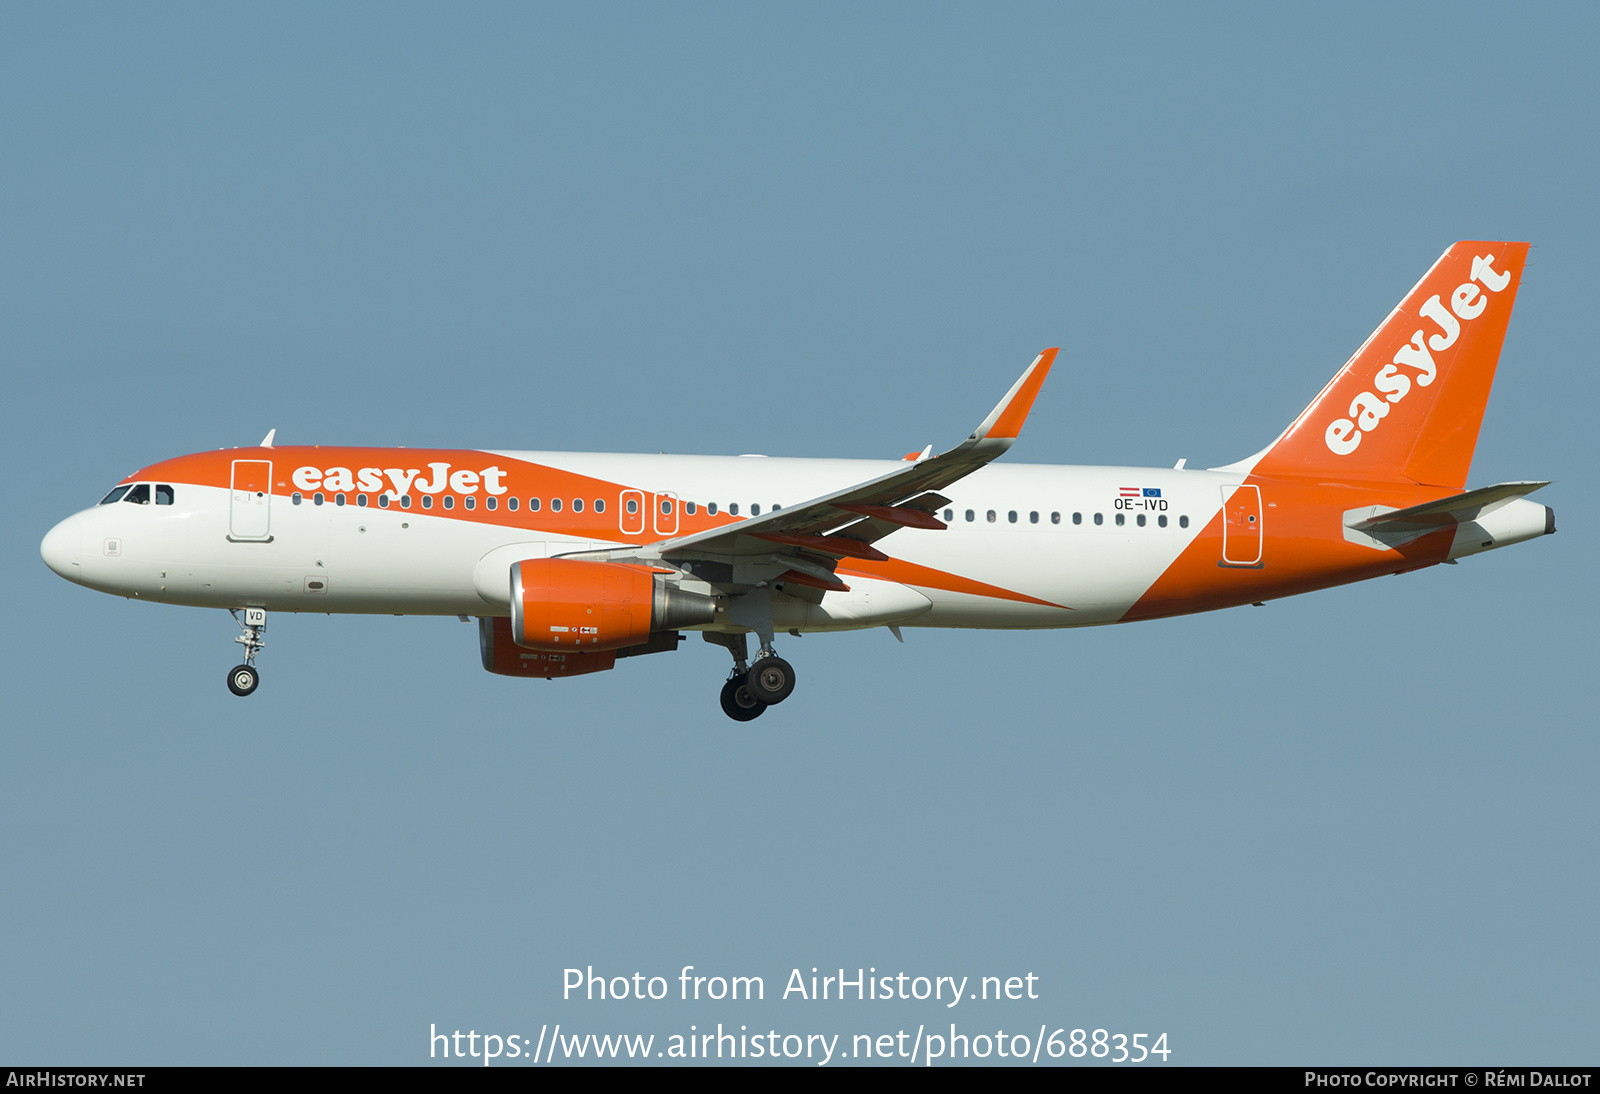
column 565, row 606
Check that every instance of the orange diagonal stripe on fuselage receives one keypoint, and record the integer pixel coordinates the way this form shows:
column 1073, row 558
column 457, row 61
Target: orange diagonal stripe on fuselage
column 909, row 573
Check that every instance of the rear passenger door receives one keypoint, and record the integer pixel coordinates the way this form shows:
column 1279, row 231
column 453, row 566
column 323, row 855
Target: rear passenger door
column 1241, row 525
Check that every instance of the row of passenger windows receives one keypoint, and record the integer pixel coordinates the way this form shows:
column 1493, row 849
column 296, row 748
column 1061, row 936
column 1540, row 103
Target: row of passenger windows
column 143, row 493
column 468, row 502
column 556, row 505
column 1055, row 518
column 140, row 493
column 712, row 508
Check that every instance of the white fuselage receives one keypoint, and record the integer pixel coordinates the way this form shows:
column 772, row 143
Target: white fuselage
column 1032, row 530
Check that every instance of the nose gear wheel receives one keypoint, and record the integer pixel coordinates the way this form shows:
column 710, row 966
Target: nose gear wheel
column 242, row 679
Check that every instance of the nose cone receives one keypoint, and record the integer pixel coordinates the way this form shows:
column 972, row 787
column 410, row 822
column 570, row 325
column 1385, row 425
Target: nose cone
column 61, row 548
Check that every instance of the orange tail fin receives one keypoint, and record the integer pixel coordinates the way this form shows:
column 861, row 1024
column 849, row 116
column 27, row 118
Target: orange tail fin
column 1409, row 403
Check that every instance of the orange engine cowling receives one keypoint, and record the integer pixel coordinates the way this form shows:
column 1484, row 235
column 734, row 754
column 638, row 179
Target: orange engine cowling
column 503, row 656
column 562, row 605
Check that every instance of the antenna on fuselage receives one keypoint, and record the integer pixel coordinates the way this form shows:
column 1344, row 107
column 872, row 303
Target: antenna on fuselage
column 266, row 442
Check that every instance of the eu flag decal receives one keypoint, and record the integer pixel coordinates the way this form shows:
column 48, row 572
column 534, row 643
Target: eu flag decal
column 1152, row 492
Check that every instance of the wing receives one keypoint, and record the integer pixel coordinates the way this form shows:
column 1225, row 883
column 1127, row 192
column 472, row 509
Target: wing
column 811, row 538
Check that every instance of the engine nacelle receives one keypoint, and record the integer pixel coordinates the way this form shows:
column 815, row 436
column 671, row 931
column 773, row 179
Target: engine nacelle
column 562, row 605
column 504, row 657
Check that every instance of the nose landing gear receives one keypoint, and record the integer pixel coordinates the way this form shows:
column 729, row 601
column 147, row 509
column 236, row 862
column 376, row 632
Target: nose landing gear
column 243, row 679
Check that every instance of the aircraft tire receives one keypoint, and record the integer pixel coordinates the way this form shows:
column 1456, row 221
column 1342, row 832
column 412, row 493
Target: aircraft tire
column 771, row 680
column 738, row 703
column 242, row 679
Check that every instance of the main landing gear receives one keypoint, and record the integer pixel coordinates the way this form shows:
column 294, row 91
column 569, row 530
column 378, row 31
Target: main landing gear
column 243, row 679
column 751, row 689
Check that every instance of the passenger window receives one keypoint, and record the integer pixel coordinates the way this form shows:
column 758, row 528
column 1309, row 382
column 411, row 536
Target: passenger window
column 1033, row 517
column 971, row 516
column 710, row 508
column 1012, row 516
column 689, row 507
column 1055, row 518
column 776, row 507
column 511, row 504
column 633, row 506
column 1141, row 520
column 115, row 495
column 316, row 499
column 338, row 499
column 469, row 502
column 991, row 516
column 427, row 501
column 383, row 501
column 1099, row 518
column 755, row 511
column 1122, row 518
column 577, row 505
column 449, row 501
column 1183, row 522
column 405, row 501
column 1077, row 518
column 1162, row 520
column 491, row 503
column 361, row 500
column 555, row 505
column 949, row 515
column 666, row 507
column 163, row 494
column 733, row 509
column 294, row 497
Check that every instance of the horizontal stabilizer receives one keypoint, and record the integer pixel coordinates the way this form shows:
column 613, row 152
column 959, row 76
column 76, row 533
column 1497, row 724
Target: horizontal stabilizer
column 1457, row 509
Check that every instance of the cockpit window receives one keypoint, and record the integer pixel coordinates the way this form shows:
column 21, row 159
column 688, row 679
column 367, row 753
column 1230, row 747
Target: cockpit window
column 115, row 495
column 163, row 494
column 140, row 494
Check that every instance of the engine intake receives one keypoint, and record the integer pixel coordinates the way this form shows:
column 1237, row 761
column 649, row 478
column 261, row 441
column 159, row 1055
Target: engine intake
column 563, row 605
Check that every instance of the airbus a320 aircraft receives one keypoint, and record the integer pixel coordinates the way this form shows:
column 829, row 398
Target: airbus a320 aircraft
column 573, row 560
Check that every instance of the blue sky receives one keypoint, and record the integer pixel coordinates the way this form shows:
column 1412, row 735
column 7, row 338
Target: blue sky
column 1354, row 826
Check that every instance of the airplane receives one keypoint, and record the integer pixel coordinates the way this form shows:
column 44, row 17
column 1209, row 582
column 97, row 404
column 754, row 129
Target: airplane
column 572, row 561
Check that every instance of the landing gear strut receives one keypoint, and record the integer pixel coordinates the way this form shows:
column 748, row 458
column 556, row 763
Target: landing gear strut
column 243, row 679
